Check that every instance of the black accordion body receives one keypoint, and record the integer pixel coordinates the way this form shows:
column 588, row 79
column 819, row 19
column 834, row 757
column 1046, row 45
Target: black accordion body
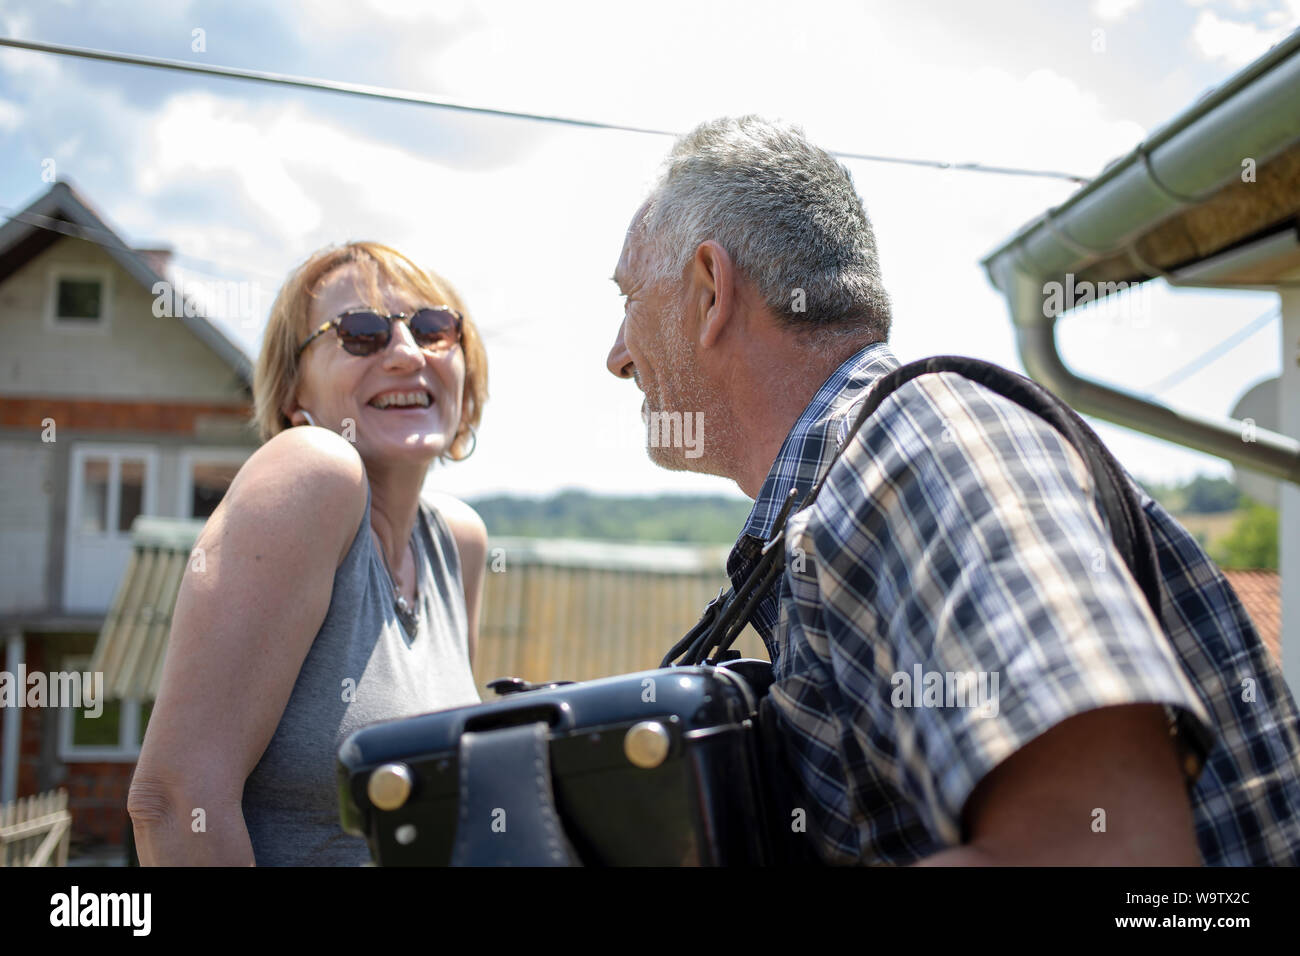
column 659, row 768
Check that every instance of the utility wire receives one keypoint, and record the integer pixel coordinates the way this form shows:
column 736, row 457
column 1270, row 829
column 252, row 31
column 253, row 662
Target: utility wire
column 421, row 99
column 1214, row 353
column 111, row 240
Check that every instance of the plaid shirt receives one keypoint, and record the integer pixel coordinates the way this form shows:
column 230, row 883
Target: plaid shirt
column 954, row 593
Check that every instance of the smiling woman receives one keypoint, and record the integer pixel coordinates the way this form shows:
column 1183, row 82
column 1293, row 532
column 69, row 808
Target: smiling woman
column 332, row 594
column 357, row 270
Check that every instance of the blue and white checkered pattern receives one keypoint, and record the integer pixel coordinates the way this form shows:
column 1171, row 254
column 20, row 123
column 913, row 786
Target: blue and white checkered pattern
column 960, row 535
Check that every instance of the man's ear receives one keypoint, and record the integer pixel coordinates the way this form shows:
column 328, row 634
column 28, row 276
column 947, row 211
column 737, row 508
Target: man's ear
column 712, row 291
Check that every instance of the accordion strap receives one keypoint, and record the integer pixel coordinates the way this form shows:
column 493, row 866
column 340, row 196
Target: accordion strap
column 501, row 822
column 727, row 615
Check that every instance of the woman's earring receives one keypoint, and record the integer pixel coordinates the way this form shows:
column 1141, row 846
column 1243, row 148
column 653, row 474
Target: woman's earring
column 307, row 415
column 474, row 435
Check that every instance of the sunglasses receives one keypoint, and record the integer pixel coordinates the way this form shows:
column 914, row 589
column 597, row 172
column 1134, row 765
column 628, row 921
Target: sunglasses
column 366, row 332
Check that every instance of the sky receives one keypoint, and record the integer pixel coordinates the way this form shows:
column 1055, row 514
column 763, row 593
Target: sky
column 526, row 218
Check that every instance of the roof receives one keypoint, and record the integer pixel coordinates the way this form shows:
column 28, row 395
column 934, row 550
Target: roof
column 1212, row 198
column 62, row 213
column 1261, row 595
column 1169, row 202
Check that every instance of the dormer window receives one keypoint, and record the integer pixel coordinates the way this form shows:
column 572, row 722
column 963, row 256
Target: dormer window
column 79, row 298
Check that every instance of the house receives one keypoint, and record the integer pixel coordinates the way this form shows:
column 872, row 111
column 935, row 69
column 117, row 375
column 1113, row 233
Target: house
column 108, row 412
column 1211, row 199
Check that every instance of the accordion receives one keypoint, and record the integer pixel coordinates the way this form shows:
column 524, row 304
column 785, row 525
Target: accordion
column 664, row 767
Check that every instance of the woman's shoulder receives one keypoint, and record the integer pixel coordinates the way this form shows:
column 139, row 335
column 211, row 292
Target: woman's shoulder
column 462, row 523
column 312, row 474
column 454, row 511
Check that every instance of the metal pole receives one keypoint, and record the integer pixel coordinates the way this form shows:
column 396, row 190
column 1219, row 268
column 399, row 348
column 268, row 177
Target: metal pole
column 13, row 738
column 1289, row 498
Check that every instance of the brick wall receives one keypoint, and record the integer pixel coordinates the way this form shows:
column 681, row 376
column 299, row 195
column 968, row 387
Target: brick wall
column 36, row 724
column 96, row 790
column 172, row 417
column 97, row 801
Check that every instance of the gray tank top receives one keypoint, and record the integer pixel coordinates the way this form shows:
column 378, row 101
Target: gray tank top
column 362, row 667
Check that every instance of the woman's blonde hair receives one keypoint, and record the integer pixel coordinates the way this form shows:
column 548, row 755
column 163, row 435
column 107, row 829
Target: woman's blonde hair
column 275, row 381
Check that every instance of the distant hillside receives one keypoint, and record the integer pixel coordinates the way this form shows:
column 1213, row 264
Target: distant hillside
column 1201, row 495
column 695, row 519
column 1237, row 532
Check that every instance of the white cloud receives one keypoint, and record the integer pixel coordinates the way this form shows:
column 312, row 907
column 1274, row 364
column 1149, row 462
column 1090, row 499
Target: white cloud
column 198, row 134
column 1231, row 41
column 409, row 21
column 1287, row 15
column 28, row 65
column 1113, row 10
column 11, row 116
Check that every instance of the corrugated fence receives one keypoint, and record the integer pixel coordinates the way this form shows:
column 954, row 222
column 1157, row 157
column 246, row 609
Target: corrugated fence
column 575, row 610
column 552, row 609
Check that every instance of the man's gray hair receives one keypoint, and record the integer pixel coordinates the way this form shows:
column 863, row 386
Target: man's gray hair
column 786, row 212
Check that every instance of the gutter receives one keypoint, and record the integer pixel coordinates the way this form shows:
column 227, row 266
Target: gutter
column 1254, row 114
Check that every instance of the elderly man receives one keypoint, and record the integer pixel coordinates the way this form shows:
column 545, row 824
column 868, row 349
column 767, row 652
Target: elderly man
column 958, row 533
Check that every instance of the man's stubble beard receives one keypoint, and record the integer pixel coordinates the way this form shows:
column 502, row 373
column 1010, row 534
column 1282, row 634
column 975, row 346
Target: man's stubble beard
column 687, row 391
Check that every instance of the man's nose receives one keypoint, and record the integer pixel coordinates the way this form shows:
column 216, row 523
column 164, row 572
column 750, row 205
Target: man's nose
column 620, row 360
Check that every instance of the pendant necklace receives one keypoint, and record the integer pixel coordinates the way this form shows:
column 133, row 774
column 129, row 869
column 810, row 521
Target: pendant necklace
column 405, row 612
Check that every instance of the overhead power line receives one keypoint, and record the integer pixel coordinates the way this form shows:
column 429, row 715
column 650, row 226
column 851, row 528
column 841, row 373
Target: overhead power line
column 421, row 99
column 1214, row 352
column 110, row 240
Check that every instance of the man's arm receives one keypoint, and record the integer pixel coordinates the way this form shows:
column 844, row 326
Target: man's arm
column 961, row 539
column 1100, row 789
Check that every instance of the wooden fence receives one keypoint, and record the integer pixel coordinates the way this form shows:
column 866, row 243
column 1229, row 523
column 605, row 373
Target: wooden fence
column 580, row 610
column 552, row 608
column 34, row 831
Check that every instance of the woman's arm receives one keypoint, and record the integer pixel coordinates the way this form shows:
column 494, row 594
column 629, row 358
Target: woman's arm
column 240, row 631
column 470, row 534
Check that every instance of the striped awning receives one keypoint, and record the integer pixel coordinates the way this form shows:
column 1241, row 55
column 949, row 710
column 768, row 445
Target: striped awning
column 133, row 640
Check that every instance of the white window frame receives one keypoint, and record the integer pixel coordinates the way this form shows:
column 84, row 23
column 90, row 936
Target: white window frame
column 126, row 751
column 114, row 453
column 79, row 326
column 202, row 454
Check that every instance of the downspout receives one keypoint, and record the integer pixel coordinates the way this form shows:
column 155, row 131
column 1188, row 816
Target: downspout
column 15, row 652
column 1255, row 114
column 1244, row 444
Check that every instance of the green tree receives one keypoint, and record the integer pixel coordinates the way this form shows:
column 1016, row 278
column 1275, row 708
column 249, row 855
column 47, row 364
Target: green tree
column 695, row 519
column 1252, row 542
column 1205, row 495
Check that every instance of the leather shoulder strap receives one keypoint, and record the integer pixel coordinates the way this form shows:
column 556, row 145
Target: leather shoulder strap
column 1119, row 500
column 728, row 614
